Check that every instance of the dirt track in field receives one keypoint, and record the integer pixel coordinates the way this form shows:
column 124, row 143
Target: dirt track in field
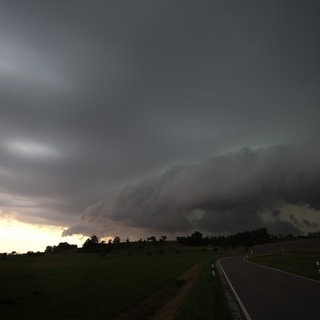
column 164, row 304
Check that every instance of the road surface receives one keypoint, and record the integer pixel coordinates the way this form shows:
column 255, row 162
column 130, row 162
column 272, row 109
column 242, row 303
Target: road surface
column 268, row 294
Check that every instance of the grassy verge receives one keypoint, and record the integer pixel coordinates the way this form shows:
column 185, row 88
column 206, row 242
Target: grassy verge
column 303, row 264
column 87, row 286
column 206, row 300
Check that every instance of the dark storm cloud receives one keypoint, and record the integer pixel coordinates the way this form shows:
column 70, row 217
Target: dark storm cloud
column 225, row 193
column 96, row 95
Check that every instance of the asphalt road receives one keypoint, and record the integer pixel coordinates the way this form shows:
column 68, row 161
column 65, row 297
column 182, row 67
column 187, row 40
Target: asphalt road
column 271, row 295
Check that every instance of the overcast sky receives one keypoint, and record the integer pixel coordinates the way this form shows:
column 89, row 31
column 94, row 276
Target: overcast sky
column 129, row 116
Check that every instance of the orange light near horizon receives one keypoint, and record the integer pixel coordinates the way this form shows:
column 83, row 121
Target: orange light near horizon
column 23, row 237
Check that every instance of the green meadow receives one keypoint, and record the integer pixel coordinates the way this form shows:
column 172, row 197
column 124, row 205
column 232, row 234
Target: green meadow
column 92, row 285
column 303, row 264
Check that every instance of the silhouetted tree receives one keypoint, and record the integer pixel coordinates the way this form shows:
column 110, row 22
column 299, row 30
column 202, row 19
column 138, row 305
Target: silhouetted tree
column 91, row 244
column 261, row 235
column 49, row 249
column 63, row 246
column 313, row 235
column 140, row 244
column 196, row 238
column 116, row 240
column 153, row 239
column 94, row 239
column 163, row 238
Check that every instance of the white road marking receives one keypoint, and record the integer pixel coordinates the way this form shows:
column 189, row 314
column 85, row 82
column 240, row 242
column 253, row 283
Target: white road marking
column 243, row 308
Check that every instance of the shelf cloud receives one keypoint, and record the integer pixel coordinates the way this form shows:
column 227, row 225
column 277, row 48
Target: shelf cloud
column 234, row 191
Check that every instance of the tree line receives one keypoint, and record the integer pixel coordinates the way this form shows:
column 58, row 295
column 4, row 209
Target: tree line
column 240, row 239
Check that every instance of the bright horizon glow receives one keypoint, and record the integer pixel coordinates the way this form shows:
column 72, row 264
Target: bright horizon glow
column 23, row 237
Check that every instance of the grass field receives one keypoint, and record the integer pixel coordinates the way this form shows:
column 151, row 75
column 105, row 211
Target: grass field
column 303, row 264
column 206, row 300
column 88, row 286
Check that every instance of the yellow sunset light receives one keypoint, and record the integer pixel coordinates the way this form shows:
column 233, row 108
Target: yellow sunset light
column 22, row 237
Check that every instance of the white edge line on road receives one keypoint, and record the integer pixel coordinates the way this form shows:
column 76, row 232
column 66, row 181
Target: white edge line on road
column 279, row 270
column 243, row 308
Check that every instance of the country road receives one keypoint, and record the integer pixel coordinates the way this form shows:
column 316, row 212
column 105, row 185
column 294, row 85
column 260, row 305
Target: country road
column 268, row 294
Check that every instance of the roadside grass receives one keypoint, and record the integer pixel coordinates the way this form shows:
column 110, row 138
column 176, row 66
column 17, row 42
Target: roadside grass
column 86, row 286
column 303, row 264
column 206, row 299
